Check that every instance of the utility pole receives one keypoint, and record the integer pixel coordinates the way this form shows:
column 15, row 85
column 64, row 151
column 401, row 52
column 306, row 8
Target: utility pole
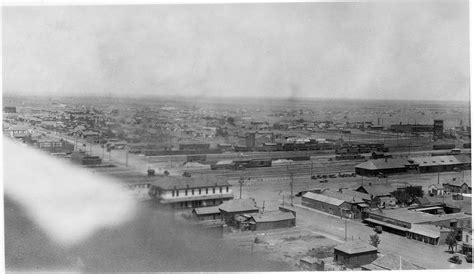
column 241, row 182
column 126, row 158
column 291, row 187
column 438, row 175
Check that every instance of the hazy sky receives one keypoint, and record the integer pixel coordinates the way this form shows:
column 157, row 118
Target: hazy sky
column 330, row 50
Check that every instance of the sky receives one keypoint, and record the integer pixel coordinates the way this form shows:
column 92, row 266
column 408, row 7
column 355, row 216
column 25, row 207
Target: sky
column 365, row 50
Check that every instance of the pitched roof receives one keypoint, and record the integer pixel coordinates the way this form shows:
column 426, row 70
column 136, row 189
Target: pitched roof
column 323, row 198
column 440, row 160
column 354, row 247
column 272, row 216
column 426, row 230
column 238, row 205
column 358, row 194
column 391, row 262
column 458, row 183
column 343, row 196
column 377, row 190
column 387, row 163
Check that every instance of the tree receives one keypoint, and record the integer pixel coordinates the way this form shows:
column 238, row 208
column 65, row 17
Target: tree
column 451, row 241
column 374, row 240
column 402, row 197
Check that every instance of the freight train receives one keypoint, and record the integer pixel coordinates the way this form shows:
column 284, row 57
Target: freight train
column 241, row 164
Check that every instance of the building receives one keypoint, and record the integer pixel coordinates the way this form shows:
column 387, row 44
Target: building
column 409, row 128
column 466, row 239
column 250, row 139
column 231, row 209
column 84, row 159
column 357, row 204
column 17, row 131
column 429, row 228
column 382, row 166
column 272, row 220
column 436, row 190
column 390, row 262
column 458, row 186
column 438, row 129
column 181, row 192
column 441, row 163
column 380, row 194
column 207, row 213
column 9, row 109
column 354, row 254
column 326, row 204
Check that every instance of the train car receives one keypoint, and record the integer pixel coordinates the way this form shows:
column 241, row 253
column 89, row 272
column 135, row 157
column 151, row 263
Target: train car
column 443, row 146
column 349, row 157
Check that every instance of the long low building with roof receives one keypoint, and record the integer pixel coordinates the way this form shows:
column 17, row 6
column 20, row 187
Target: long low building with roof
column 442, row 163
column 326, row 204
column 382, row 166
column 425, row 227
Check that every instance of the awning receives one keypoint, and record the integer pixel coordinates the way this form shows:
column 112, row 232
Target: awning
column 428, row 208
column 385, row 224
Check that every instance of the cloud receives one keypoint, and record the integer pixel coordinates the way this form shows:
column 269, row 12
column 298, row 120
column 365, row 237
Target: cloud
column 414, row 50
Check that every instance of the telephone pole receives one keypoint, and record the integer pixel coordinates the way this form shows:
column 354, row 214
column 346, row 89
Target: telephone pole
column 241, row 182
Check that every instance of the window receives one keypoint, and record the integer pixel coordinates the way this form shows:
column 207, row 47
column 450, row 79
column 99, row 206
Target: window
column 213, row 190
column 220, row 189
column 207, row 190
column 172, row 193
column 467, row 238
column 199, row 191
column 227, row 189
column 177, row 193
column 186, row 192
column 192, row 191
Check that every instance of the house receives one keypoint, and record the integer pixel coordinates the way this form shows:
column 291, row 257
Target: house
column 436, row 190
column 357, row 205
column 354, row 254
column 390, row 262
column 207, row 213
column 230, row 209
column 180, row 192
column 326, row 204
column 458, row 186
column 382, row 166
column 380, row 194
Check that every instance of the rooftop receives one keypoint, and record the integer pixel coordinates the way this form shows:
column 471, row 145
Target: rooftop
column 355, row 247
column 323, row 198
column 345, row 196
column 387, row 163
column 181, row 182
column 207, row 210
column 391, row 262
column 441, row 160
column 414, row 217
column 238, row 205
column 272, row 216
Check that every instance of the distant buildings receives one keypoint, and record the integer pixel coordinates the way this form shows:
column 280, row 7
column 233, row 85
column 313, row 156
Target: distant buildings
column 458, row 186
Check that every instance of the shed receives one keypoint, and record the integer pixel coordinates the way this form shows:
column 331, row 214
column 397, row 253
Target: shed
column 207, row 213
column 272, row 220
column 231, row 208
column 312, row 264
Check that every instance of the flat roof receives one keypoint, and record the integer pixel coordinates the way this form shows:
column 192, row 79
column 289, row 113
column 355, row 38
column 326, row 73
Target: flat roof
column 385, row 224
column 207, row 210
column 413, row 217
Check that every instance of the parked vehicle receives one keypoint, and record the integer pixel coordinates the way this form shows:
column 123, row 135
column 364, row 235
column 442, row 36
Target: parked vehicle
column 469, row 257
column 378, row 229
column 323, row 181
column 455, row 259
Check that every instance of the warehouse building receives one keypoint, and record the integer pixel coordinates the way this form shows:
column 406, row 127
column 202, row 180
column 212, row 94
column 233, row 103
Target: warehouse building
column 382, row 166
column 326, row 204
column 441, row 163
column 354, row 254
